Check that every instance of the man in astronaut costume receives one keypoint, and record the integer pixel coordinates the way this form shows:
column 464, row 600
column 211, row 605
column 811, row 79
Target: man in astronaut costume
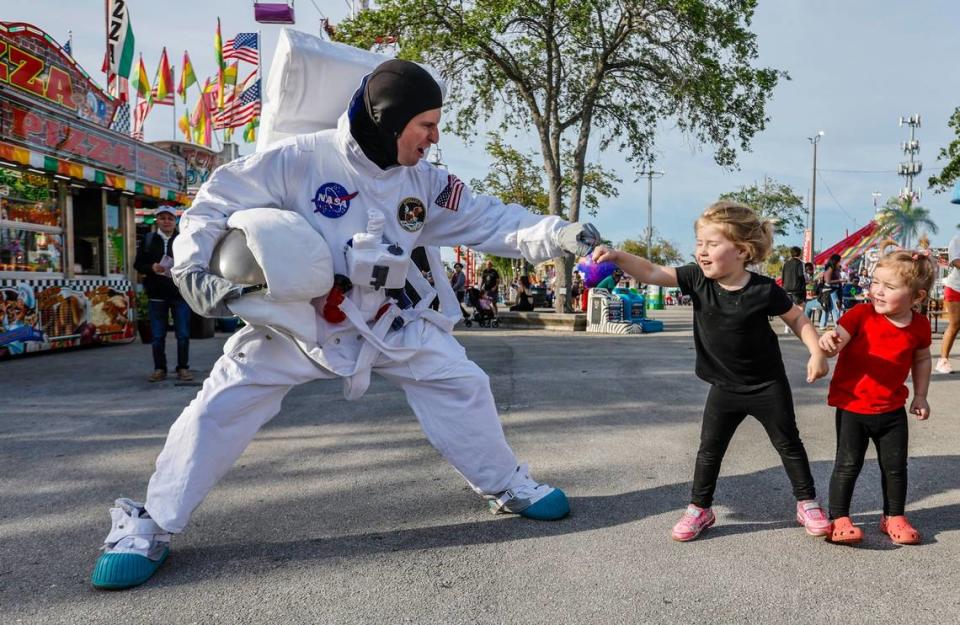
column 370, row 198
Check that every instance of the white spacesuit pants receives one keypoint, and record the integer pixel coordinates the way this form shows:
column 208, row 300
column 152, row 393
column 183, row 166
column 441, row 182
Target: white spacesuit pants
column 449, row 394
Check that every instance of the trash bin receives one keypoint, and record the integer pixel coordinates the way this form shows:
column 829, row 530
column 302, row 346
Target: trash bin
column 633, row 306
column 654, row 297
column 201, row 327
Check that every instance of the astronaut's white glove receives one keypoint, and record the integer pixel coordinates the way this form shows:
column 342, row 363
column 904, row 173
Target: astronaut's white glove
column 579, row 238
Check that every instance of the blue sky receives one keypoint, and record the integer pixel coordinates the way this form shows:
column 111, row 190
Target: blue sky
column 856, row 66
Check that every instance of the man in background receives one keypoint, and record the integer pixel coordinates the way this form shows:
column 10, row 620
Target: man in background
column 794, row 280
column 490, row 284
column 154, row 260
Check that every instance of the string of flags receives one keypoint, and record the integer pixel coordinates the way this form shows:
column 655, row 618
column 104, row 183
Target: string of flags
column 225, row 100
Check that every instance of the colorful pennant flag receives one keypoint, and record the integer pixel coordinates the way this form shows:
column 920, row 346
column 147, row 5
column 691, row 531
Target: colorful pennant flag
column 250, row 131
column 221, row 66
column 187, row 77
column 210, row 95
column 184, row 125
column 230, row 74
column 200, row 120
column 244, row 47
column 141, row 82
column 163, row 89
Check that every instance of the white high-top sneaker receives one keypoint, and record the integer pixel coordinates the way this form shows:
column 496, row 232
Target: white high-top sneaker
column 530, row 499
column 133, row 550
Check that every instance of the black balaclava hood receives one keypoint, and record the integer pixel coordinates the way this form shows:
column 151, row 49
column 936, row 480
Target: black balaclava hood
column 393, row 94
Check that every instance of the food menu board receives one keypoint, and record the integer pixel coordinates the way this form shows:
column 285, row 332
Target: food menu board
column 66, row 314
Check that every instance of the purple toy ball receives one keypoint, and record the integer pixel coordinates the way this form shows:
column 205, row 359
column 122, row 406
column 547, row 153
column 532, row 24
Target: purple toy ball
column 593, row 272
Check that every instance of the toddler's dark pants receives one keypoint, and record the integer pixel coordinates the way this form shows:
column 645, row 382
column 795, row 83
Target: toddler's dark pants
column 890, row 434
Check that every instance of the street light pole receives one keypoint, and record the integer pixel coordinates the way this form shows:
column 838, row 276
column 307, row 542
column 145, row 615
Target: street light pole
column 815, row 139
column 650, row 173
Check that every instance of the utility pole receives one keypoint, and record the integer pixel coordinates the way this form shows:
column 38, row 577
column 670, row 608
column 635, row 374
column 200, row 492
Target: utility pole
column 910, row 168
column 650, row 174
column 815, row 140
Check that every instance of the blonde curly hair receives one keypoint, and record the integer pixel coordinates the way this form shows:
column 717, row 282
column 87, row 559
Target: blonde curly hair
column 742, row 226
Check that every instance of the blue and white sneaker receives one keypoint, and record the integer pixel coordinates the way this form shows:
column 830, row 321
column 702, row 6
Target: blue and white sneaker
column 530, row 499
column 133, row 550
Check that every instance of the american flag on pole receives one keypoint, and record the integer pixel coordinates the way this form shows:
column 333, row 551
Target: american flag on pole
column 166, row 101
column 244, row 47
column 449, row 198
column 241, row 109
column 140, row 113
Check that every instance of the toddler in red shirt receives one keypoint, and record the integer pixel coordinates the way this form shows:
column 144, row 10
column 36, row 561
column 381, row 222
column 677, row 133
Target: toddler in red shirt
column 880, row 343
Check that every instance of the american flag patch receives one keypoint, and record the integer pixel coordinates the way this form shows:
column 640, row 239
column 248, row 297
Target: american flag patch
column 449, row 198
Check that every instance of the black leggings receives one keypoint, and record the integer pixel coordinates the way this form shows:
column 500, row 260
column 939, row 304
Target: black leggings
column 772, row 406
column 890, row 435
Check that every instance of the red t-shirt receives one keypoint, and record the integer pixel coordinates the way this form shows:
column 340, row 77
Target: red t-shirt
column 871, row 371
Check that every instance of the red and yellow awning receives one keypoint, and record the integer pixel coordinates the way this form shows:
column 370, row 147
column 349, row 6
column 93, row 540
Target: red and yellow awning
column 30, row 158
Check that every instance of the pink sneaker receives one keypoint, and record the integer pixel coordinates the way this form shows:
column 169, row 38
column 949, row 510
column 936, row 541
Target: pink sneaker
column 811, row 516
column 694, row 520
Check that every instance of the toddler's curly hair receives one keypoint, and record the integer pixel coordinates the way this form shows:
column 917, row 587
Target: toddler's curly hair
column 742, row 225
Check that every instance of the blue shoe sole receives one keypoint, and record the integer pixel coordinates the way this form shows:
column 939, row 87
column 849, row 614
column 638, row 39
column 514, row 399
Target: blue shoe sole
column 553, row 507
column 116, row 571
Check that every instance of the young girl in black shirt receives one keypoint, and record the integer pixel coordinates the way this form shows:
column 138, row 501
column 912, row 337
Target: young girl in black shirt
column 737, row 353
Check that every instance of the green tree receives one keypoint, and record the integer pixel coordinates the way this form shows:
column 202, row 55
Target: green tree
column 773, row 265
column 773, row 200
column 567, row 67
column 910, row 217
column 516, row 177
column 662, row 252
column 951, row 171
column 504, row 266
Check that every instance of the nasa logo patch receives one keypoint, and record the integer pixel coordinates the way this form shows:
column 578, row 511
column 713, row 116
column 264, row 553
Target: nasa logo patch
column 332, row 200
column 411, row 214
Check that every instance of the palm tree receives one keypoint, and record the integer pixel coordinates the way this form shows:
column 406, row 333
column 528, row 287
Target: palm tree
column 909, row 217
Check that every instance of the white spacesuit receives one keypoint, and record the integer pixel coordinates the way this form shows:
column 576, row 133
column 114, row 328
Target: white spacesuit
column 360, row 210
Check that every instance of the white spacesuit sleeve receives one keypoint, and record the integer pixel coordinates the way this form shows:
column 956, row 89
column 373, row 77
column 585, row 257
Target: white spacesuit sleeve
column 253, row 181
column 486, row 224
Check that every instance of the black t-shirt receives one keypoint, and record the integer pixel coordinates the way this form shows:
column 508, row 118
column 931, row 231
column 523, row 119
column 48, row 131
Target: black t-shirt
column 489, row 279
column 736, row 347
column 794, row 278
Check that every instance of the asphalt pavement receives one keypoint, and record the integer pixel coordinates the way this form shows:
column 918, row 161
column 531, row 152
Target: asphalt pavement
column 341, row 512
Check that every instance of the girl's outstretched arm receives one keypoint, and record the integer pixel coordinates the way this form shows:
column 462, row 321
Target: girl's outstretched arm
column 921, row 383
column 801, row 326
column 640, row 268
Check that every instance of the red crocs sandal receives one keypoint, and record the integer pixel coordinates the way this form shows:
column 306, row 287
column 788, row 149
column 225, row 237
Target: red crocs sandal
column 844, row 532
column 899, row 530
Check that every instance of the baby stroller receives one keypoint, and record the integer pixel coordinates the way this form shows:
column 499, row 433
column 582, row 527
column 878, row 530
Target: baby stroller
column 482, row 310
